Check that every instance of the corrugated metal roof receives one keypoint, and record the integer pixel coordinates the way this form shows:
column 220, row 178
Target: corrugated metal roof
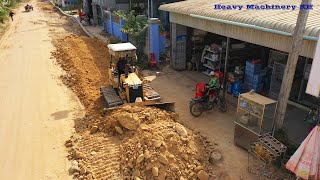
column 281, row 20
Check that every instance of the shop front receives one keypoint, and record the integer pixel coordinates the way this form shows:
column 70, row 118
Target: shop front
column 256, row 55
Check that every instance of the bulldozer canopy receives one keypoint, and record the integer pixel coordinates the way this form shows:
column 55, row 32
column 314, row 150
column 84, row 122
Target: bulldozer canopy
column 122, row 49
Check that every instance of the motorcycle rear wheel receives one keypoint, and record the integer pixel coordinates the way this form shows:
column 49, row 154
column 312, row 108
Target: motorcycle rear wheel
column 196, row 109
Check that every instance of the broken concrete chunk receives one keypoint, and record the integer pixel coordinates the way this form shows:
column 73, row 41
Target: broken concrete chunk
column 118, row 129
column 214, row 157
column 94, row 129
column 155, row 171
column 182, row 131
column 147, row 154
column 202, row 175
column 163, row 159
column 128, row 121
column 197, row 169
column 157, row 143
column 74, row 167
column 140, row 159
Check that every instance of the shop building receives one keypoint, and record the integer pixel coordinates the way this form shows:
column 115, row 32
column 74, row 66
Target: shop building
column 259, row 44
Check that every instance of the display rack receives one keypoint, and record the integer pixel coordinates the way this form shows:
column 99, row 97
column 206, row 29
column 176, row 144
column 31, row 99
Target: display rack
column 211, row 60
column 255, row 116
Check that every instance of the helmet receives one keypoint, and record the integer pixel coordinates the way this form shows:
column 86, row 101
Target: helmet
column 212, row 73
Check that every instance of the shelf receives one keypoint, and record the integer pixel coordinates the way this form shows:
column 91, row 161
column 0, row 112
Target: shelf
column 211, row 59
column 250, row 113
column 232, row 50
column 206, row 65
column 204, row 72
column 212, row 51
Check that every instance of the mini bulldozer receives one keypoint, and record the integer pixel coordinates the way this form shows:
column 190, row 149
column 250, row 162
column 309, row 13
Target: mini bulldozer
column 125, row 84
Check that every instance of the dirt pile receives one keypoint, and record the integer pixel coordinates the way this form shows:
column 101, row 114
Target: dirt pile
column 154, row 146
column 85, row 60
column 131, row 142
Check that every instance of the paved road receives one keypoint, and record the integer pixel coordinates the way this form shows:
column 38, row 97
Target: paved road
column 35, row 112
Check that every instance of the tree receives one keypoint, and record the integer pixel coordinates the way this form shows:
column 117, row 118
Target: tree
column 136, row 27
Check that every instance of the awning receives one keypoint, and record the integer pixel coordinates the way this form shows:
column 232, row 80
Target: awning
column 280, row 20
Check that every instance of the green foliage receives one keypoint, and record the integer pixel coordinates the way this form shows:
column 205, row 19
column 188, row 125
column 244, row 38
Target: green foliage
column 134, row 25
column 136, row 28
column 5, row 6
column 100, row 20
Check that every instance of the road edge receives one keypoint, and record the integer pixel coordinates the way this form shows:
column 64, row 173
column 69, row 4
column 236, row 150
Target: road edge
column 75, row 19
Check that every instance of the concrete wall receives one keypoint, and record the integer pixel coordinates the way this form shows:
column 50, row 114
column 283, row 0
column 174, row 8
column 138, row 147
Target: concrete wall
column 274, row 41
column 114, row 28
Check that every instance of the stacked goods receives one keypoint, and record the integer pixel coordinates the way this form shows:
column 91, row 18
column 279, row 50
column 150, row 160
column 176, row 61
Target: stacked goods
column 252, row 78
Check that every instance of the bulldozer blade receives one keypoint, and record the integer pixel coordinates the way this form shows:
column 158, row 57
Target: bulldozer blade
column 168, row 106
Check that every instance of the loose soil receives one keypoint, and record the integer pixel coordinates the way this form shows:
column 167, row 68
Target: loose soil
column 129, row 143
column 96, row 147
column 85, row 61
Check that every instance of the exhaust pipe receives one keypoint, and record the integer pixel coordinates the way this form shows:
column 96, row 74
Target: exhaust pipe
column 126, row 69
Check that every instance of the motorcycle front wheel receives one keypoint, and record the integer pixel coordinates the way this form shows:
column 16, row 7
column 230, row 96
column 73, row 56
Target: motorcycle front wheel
column 222, row 105
column 196, row 109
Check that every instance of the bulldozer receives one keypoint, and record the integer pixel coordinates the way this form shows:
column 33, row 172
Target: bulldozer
column 126, row 84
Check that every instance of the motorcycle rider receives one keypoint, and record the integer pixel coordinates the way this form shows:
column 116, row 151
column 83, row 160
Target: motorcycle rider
column 214, row 83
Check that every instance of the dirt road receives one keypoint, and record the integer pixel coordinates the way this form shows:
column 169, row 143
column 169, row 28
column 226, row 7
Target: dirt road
column 35, row 112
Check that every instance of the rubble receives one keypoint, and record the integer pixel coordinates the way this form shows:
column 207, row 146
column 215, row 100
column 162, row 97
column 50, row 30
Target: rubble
column 214, row 157
column 157, row 146
column 128, row 121
column 118, row 129
column 202, row 175
column 74, row 167
column 94, row 129
column 131, row 142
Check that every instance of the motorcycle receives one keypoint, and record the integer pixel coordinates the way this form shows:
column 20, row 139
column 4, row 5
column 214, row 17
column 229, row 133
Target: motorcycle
column 205, row 103
column 206, row 99
column 28, row 8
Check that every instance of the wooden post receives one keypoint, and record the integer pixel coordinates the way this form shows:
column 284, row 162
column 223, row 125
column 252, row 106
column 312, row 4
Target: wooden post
column 291, row 65
column 225, row 68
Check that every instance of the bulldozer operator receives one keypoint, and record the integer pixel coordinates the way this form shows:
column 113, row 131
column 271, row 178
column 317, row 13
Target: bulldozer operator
column 121, row 66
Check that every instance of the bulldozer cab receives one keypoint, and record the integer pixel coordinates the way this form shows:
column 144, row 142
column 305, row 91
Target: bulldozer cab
column 121, row 55
column 125, row 85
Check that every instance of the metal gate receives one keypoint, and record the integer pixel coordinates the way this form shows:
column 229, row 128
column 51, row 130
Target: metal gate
column 179, row 46
column 180, row 62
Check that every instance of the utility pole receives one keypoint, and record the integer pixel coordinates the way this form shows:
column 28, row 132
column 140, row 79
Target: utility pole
column 291, row 65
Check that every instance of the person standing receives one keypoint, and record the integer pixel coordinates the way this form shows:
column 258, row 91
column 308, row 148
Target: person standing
column 11, row 15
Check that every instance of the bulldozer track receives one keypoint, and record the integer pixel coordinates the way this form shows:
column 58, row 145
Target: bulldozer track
column 101, row 156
